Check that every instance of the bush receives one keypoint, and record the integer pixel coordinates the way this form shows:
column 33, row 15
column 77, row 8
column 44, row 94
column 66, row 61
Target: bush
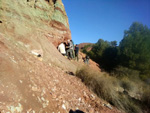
column 97, row 82
column 126, row 84
column 105, row 87
column 145, row 78
column 121, row 71
column 146, row 98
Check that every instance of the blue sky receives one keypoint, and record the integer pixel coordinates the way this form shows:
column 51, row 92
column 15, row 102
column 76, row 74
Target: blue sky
column 91, row 20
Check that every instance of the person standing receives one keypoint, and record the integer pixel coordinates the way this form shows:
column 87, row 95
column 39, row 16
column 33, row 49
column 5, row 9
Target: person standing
column 76, row 51
column 70, row 50
column 86, row 60
column 73, row 48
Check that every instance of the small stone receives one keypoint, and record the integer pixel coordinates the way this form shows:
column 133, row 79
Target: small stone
column 43, row 99
column 34, row 88
column 64, row 107
column 93, row 97
column 20, row 81
column 108, row 105
column 50, row 64
column 79, row 99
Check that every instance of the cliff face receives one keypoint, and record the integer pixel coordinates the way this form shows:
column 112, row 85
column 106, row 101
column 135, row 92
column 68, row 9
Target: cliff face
column 24, row 18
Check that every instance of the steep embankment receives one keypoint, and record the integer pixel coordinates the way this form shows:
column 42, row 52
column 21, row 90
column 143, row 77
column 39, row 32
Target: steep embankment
column 33, row 74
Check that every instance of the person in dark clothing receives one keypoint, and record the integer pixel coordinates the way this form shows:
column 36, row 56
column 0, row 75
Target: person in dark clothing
column 86, row 60
column 76, row 51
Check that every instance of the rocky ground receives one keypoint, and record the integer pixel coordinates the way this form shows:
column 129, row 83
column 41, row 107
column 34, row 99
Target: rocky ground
column 46, row 88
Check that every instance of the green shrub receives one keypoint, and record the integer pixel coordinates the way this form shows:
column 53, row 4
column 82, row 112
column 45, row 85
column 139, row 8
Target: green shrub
column 145, row 78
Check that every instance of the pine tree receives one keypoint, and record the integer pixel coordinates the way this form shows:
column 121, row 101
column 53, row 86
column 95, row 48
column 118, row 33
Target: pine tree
column 135, row 48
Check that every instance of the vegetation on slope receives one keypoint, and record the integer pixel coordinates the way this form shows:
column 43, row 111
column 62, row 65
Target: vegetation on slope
column 132, row 52
column 128, row 66
column 121, row 92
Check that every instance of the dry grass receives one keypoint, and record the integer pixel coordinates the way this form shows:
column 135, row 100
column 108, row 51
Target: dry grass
column 127, row 84
column 146, row 98
column 106, row 86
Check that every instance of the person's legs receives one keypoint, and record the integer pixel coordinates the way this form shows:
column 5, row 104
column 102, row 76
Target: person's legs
column 77, row 57
column 73, row 53
column 69, row 53
column 87, row 61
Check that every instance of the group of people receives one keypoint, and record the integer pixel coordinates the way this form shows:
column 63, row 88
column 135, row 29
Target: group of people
column 69, row 49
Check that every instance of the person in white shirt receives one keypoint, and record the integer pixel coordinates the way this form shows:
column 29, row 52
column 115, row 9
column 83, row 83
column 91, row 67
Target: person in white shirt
column 61, row 49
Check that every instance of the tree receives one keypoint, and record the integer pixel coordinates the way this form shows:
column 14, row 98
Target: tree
column 100, row 46
column 110, row 58
column 135, row 48
column 113, row 43
column 105, row 54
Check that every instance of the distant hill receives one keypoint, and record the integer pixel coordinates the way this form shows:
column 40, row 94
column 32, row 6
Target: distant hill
column 81, row 45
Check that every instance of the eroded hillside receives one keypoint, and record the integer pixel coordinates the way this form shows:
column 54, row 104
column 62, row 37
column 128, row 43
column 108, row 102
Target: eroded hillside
column 33, row 74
